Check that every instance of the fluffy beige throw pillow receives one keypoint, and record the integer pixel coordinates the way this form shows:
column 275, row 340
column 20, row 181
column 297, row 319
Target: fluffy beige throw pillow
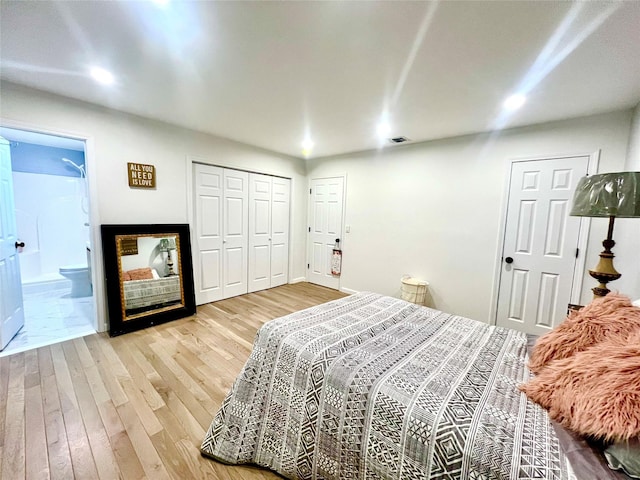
column 140, row 274
column 612, row 316
column 595, row 392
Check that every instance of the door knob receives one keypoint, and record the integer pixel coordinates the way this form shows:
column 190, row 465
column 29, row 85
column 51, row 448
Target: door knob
column 19, row 244
column 508, row 260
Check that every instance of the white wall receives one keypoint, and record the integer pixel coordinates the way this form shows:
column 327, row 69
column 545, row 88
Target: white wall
column 633, row 153
column 434, row 210
column 627, row 230
column 116, row 138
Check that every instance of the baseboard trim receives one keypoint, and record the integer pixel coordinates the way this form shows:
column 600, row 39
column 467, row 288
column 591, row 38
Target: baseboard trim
column 298, row 280
column 348, row 290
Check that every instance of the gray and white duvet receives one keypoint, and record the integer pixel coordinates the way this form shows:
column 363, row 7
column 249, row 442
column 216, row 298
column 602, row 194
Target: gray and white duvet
column 373, row 387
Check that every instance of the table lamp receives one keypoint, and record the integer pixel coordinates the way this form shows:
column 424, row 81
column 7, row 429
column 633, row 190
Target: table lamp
column 607, row 195
column 166, row 245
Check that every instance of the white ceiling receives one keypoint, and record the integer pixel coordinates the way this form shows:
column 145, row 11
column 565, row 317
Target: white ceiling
column 269, row 73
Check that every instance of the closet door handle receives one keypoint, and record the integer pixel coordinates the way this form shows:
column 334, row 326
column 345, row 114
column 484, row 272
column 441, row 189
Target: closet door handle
column 19, row 244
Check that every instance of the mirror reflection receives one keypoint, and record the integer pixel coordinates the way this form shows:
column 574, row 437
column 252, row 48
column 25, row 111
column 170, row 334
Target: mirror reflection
column 150, row 273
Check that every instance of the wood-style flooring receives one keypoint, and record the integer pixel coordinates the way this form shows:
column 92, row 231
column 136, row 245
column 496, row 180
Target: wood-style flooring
column 138, row 405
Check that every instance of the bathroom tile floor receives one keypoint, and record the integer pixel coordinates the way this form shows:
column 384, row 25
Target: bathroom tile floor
column 51, row 316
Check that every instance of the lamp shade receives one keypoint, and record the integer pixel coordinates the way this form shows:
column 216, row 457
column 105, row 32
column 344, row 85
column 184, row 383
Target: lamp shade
column 164, row 245
column 608, row 195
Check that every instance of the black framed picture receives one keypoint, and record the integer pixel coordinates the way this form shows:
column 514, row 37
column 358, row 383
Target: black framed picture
column 149, row 275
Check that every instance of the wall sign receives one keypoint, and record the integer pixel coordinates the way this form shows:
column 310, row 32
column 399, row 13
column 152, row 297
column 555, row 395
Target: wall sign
column 129, row 246
column 141, row 176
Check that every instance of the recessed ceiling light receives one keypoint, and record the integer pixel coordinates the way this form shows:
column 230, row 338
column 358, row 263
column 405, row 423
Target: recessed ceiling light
column 307, row 146
column 102, row 76
column 384, row 129
column 514, row 102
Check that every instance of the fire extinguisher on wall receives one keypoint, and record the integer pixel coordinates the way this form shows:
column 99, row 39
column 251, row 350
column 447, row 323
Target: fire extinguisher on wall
column 336, row 259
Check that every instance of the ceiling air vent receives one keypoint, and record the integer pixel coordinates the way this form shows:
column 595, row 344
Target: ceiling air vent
column 398, row 139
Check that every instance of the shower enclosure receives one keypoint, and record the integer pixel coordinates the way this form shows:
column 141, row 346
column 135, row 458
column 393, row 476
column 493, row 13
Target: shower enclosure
column 52, row 219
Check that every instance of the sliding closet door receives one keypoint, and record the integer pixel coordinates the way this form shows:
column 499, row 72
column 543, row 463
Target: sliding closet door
column 208, row 182
column 280, row 201
column 236, row 239
column 242, row 232
column 259, row 232
column 269, row 199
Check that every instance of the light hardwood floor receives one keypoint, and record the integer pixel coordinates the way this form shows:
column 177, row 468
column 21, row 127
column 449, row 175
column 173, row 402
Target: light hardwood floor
column 138, row 405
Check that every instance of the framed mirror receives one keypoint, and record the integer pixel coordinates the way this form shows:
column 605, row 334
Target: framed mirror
column 149, row 275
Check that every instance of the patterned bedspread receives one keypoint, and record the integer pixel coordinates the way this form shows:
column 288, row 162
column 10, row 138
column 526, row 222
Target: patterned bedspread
column 374, row 387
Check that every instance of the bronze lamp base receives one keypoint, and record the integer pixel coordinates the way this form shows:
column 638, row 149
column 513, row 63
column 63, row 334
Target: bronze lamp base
column 605, row 271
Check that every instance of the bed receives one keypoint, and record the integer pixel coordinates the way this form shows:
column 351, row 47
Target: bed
column 140, row 294
column 374, row 387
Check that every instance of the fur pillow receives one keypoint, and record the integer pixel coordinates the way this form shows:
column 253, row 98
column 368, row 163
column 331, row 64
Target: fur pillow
column 595, row 392
column 607, row 317
column 140, row 274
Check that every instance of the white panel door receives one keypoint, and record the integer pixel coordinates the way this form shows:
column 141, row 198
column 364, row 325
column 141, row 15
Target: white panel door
column 11, row 309
column 269, row 199
column 280, row 207
column 259, row 232
column 235, row 236
column 325, row 226
column 208, row 261
column 540, row 245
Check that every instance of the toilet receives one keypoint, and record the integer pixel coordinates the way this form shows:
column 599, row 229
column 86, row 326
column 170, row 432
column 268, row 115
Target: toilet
column 80, row 279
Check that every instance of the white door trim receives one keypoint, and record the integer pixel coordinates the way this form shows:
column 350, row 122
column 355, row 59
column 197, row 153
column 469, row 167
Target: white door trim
column 583, row 235
column 97, row 264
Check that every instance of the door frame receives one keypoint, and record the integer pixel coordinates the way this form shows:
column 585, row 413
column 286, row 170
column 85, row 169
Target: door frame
column 583, row 234
column 308, row 225
column 97, row 265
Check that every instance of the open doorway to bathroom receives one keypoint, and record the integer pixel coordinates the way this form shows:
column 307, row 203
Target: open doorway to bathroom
column 51, row 196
